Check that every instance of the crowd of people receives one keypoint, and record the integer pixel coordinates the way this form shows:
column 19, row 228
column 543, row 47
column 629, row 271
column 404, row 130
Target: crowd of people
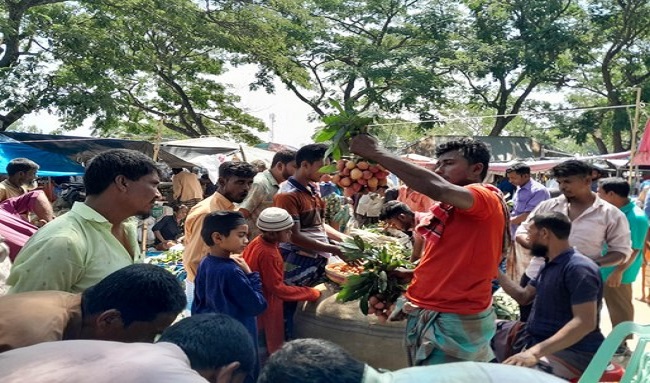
column 259, row 244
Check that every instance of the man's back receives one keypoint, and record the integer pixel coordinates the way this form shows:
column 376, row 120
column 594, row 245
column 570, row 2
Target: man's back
column 186, row 187
column 81, row 361
column 39, row 316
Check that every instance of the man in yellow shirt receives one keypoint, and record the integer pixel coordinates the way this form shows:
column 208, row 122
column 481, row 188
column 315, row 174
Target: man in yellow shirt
column 186, row 187
column 235, row 180
column 21, row 173
column 96, row 237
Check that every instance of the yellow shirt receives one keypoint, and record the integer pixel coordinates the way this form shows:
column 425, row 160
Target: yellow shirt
column 9, row 190
column 186, row 187
column 72, row 253
column 37, row 317
column 195, row 248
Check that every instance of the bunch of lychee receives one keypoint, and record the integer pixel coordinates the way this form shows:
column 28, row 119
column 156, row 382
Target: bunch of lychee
column 355, row 175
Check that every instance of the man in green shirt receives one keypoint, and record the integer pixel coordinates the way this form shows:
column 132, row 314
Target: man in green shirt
column 320, row 361
column 95, row 238
column 617, row 280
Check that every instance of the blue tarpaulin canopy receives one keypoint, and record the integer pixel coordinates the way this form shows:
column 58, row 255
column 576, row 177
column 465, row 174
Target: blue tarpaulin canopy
column 51, row 164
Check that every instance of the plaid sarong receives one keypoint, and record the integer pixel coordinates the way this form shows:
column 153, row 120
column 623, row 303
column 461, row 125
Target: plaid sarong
column 435, row 338
column 512, row 338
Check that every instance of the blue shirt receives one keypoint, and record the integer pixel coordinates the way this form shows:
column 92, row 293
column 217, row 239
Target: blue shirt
column 221, row 286
column 569, row 279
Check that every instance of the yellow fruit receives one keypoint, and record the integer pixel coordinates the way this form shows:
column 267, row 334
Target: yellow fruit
column 363, row 165
column 373, row 182
column 350, row 165
column 383, row 182
column 355, row 174
column 345, row 181
column 336, row 179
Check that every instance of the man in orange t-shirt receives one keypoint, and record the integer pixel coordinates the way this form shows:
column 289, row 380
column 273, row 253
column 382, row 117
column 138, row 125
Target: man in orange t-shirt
column 448, row 305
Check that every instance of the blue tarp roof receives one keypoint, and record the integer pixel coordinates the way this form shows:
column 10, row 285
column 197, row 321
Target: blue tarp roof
column 51, row 164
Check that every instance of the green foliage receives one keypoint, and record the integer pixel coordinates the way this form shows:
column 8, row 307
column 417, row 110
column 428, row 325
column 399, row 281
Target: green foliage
column 378, row 262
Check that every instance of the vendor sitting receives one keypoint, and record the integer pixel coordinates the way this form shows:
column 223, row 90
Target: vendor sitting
column 169, row 229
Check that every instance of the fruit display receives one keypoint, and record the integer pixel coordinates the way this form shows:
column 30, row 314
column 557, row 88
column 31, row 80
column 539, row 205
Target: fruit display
column 353, row 175
column 172, row 261
column 375, row 280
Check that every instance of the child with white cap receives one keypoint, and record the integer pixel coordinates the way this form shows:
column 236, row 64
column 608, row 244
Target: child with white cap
column 263, row 255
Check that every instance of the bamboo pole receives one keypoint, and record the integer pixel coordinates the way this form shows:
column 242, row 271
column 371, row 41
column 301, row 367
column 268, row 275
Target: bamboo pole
column 635, row 127
column 154, row 157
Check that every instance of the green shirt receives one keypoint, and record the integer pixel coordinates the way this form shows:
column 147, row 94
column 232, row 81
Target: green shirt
column 72, row 253
column 638, row 230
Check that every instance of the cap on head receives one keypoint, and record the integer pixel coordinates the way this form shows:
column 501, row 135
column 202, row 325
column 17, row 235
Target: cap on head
column 274, row 219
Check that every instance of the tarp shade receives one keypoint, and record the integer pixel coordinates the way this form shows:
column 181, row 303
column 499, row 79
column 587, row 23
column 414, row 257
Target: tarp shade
column 51, row 164
column 81, row 149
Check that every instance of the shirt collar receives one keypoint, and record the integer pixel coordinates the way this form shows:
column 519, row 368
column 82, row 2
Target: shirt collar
column 370, row 375
column 88, row 213
column 269, row 176
column 223, row 201
column 628, row 208
column 563, row 257
column 528, row 185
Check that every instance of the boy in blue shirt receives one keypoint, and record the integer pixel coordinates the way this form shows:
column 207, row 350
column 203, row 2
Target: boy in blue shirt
column 224, row 283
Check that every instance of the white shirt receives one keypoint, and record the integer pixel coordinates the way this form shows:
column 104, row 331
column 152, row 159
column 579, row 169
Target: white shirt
column 82, row 361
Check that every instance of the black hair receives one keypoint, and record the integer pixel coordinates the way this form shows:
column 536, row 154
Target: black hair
column 392, row 209
column 519, row 168
column 231, row 169
column 211, row 341
column 283, row 156
column 178, row 207
column 18, row 165
column 139, row 292
column 615, row 184
column 104, row 167
column 474, row 151
column 311, row 361
column 222, row 222
column 558, row 223
column 310, row 153
column 391, row 194
column 177, row 170
column 571, row 168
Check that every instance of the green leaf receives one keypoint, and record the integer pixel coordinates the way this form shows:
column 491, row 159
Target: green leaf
column 325, row 134
column 327, row 169
column 363, row 303
column 337, row 106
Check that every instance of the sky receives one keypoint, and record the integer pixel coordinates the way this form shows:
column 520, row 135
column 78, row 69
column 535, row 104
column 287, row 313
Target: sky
column 291, row 125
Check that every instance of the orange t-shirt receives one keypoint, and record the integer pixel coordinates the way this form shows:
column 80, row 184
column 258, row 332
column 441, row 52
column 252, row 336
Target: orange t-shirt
column 455, row 276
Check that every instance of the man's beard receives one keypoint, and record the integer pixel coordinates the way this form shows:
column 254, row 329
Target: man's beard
column 538, row 250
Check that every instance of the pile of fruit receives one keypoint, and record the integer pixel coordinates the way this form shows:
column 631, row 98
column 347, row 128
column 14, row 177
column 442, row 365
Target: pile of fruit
column 354, row 175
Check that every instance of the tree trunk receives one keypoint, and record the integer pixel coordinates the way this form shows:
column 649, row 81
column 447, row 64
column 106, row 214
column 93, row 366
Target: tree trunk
column 498, row 126
column 602, row 148
column 620, row 123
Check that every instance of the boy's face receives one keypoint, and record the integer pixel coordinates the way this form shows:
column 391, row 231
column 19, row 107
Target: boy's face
column 236, row 241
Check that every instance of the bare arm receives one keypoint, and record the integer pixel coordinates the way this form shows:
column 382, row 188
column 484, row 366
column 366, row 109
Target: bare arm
column 523, row 295
column 300, row 240
column 334, row 234
column 416, row 177
column 582, row 323
column 612, row 258
column 520, row 218
column 418, row 245
column 614, row 279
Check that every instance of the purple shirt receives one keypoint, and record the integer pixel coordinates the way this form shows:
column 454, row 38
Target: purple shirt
column 526, row 199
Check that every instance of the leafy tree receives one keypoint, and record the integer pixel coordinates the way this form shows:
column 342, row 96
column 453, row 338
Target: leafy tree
column 377, row 55
column 128, row 64
column 25, row 68
column 617, row 63
column 509, row 49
